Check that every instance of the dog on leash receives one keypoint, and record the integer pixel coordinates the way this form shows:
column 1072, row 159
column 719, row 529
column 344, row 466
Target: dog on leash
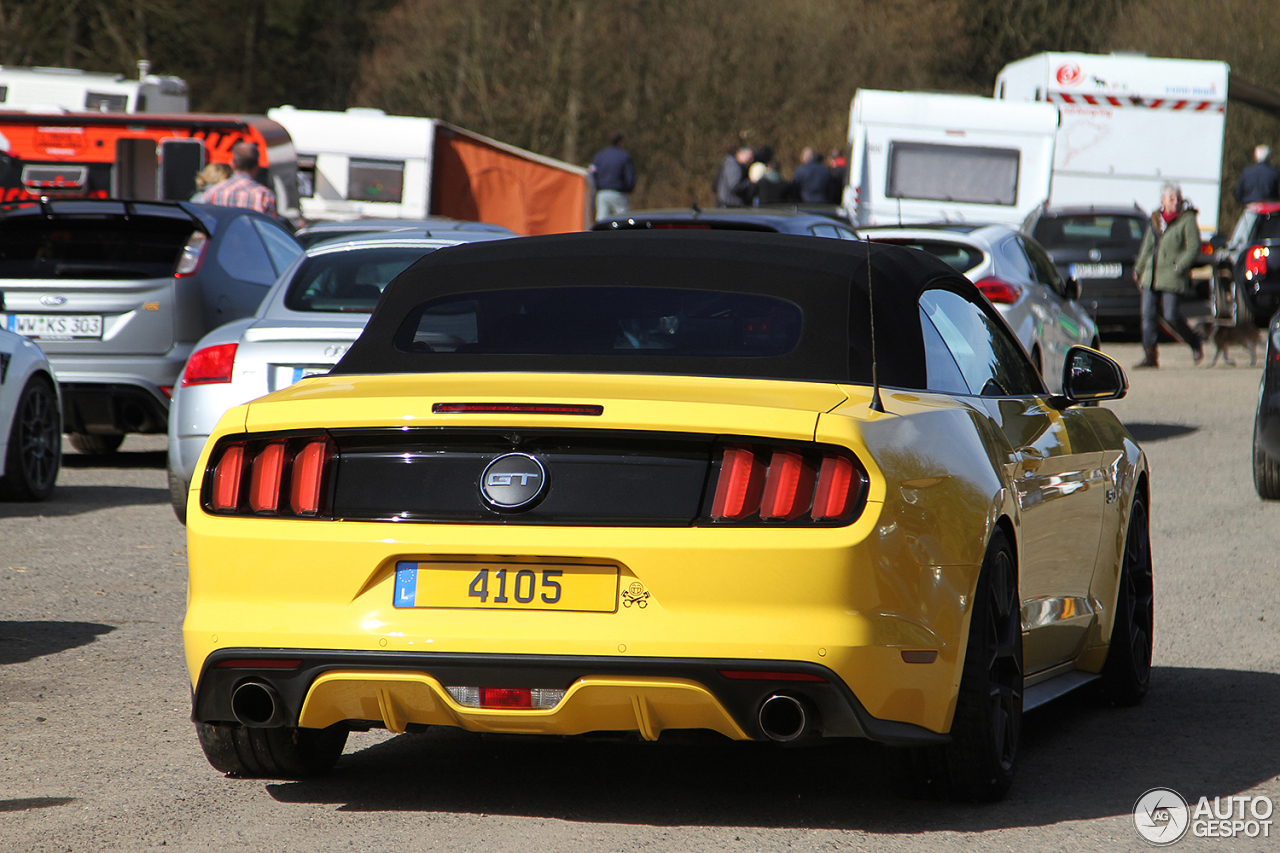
column 1224, row 337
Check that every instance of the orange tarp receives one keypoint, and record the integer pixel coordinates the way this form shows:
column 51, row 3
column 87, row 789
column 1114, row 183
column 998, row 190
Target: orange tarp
column 476, row 181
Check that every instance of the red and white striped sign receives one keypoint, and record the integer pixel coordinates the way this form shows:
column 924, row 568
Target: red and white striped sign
column 1134, row 101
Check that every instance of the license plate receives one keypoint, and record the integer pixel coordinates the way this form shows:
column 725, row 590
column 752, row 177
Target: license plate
column 506, row 586
column 56, row 326
column 1079, row 271
column 287, row 374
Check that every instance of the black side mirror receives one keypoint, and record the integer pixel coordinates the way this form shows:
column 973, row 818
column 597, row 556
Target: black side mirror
column 1090, row 377
column 1073, row 288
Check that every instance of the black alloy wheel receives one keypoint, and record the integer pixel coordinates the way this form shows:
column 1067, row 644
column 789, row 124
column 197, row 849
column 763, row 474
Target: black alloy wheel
column 35, row 444
column 1126, row 676
column 1266, row 469
column 981, row 759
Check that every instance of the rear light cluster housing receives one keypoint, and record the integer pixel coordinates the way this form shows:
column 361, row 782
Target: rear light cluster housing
column 280, row 476
column 786, row 484
column 1256, row 261
column 998, row 291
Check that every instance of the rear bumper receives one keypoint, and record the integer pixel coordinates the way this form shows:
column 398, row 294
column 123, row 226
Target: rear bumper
column 644, row 695
column 113, row 395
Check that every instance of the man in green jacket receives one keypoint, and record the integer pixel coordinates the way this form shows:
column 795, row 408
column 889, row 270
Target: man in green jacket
column 1163, row 272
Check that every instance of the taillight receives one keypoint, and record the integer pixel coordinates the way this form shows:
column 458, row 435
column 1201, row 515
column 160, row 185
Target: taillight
column 776, row 484
column 1255, row 262
column 999, row 292
column 192, row 255
column 254, row 477
column 210, row 365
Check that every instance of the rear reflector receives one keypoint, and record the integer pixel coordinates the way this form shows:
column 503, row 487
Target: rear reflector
column 258, row 663
column 769, row 675
column 513, row 409
column 210, row 365
column 508, row 698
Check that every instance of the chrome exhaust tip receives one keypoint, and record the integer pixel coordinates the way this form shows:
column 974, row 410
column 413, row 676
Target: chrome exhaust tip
column 785, row 718
column 257, row 705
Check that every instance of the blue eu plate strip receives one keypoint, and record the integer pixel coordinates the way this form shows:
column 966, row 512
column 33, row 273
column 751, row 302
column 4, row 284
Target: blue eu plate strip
column 406, row 584
column 297, row 374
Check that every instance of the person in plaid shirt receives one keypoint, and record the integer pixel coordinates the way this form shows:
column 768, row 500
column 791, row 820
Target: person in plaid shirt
column 241, row 190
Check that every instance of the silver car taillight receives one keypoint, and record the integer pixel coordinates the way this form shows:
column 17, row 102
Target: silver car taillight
column 192, row 255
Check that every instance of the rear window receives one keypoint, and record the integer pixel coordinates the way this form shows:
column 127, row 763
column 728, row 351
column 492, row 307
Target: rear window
column 959, row 257
column 1055, row 232
column 1267, row 227
column 348, row 281
column 954, row 173
column 633, row 321
column 92, row 248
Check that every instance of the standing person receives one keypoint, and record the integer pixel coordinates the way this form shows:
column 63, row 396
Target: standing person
column 615, row 177
column 242, row 189
column 770, row 186
column 732, row 184
column 210, row 175
column 812, row 179
column 1259, row 182
column 1163, row 272
column 839, row 166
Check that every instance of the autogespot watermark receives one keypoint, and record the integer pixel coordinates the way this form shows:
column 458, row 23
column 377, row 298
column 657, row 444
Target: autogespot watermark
column 1162, row 817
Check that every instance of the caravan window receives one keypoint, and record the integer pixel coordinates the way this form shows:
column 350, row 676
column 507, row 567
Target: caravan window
column 956, row 173
column 375, row 180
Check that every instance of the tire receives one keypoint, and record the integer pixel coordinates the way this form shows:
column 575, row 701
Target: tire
column 980, row 761
column 95, row 445
column 178, row 496
column 1241, row 314
column 286, row 752
column 35, row 444
column 1126, row 675
column 1266, row 469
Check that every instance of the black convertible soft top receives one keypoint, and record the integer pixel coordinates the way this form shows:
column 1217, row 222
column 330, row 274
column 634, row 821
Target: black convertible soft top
column 825, row 278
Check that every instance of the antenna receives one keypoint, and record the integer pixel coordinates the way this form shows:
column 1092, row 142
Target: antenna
column 877, row 405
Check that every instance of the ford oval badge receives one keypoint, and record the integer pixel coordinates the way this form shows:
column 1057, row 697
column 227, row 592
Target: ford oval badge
column 513, row 481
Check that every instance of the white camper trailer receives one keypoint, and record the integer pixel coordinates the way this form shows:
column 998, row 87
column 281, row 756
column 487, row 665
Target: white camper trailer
column 51, row 89
column 365, row 163
column 1129, row 124
column 929, row 157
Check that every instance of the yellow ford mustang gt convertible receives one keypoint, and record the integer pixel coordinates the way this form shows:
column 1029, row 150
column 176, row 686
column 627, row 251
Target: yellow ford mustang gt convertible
column 646, row 482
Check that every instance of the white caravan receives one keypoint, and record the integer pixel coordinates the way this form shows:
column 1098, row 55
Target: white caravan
column 51, row 89
column 1129, row 124
column 931, row 157
column 365, row 163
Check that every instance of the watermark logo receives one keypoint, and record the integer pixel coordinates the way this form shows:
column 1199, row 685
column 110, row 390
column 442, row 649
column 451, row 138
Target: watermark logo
column 1161, row 816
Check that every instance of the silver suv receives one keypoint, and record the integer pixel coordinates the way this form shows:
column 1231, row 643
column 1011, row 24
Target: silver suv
column 118, row 292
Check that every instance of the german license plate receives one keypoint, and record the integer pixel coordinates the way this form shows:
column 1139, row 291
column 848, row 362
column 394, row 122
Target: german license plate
column 56, row 326
column 1079, row 271
column 506, row 586
column 287, row 374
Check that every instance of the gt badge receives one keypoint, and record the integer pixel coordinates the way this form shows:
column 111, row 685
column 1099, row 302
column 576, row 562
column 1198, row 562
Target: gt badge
column 513, row 481
column 635, row 594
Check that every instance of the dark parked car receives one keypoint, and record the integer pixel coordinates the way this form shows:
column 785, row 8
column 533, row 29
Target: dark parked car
column 1098, row 247
column 118, row 292
column 1266, row 425
column 722, row 219
column 1248, row 281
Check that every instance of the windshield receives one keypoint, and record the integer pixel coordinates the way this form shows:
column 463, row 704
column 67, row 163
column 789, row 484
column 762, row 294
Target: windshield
column 142, row 247
column 605, row 320
column 1090, row 229
column 348, row 281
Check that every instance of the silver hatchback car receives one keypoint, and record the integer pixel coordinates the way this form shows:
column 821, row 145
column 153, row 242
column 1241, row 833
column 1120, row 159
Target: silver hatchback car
column 1018, row 277
column 303, row 326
